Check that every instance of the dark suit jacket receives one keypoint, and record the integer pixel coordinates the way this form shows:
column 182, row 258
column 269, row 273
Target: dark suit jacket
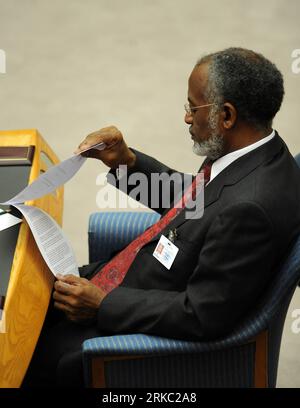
column 226, row 259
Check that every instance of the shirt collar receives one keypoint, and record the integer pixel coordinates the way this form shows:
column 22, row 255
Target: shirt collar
column 224, row 161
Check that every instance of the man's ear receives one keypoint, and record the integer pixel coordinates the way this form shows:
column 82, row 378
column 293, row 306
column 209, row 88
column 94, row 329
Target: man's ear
column 229, row 116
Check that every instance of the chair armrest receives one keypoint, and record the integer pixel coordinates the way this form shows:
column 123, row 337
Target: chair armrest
column 138, row 344
column 109, row 232
column 100, row 352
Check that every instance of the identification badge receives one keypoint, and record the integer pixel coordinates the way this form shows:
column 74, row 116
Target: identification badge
column 165, row 252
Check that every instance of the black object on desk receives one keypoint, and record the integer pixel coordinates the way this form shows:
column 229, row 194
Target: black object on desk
column 13, row 178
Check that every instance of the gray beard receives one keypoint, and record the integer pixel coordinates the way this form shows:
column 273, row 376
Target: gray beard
column 212, row 147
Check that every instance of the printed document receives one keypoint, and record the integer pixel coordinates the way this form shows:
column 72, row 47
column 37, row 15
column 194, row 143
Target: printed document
column 52, row 242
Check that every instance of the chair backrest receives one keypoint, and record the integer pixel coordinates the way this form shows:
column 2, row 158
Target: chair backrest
column 297, row 158
column 111, row 231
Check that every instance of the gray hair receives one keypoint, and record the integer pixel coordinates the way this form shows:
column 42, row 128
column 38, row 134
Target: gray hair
column 249, row 81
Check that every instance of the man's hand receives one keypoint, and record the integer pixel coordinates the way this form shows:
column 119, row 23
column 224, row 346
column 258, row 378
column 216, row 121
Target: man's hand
column 78, row 298
column 116, row 151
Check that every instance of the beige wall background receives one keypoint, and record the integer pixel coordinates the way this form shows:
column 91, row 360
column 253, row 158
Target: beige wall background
column 76, row 66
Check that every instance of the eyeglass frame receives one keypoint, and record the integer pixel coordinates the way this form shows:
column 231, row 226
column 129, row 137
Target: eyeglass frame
column 191, row 109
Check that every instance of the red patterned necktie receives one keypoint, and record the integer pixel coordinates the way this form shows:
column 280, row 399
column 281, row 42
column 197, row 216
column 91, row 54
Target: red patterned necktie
column 113, row 273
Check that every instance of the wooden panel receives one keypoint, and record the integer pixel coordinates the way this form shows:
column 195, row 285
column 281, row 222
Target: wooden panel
column 31, row 282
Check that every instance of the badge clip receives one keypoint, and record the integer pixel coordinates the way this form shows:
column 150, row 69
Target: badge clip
column 172, row 235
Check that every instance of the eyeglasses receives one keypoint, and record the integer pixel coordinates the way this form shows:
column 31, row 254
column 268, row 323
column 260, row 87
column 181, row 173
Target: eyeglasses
column 191, row 109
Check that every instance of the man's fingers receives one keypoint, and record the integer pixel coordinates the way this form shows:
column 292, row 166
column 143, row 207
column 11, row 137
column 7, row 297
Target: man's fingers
column 109, row 135
column 83, row 148
column 71, row 279
column 90, row 141
column 87, row 149
column 65, row 288
column 65, row 299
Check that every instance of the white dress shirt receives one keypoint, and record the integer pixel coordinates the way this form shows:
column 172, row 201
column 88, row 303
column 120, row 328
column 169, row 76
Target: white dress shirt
column 224, row 161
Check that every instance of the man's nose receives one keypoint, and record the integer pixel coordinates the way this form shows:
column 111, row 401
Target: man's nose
column 188, row 119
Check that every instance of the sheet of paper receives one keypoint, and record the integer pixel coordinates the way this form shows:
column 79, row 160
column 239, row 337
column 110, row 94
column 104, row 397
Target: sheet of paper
column 52, row 179
column 51, row 240
column 98, row 146
column 49, row 181
column 7, row 220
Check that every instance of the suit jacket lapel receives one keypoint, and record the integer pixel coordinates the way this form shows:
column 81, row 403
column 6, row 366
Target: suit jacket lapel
column 237, row 170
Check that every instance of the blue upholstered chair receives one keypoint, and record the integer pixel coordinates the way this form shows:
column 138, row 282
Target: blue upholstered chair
column 297, row 158
column 248, row 357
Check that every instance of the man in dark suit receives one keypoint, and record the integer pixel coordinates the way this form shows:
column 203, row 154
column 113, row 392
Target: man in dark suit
column 226, row 258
